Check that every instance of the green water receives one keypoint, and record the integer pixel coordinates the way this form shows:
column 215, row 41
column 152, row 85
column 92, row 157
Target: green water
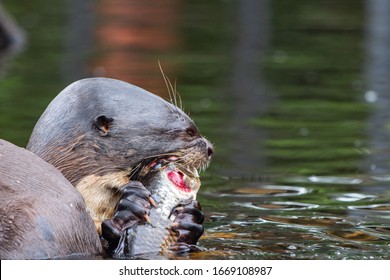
column 293, row 95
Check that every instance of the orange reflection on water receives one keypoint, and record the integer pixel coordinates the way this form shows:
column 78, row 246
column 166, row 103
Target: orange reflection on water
column 132, row 36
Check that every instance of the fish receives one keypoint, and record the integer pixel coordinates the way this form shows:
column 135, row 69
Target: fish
column 170, row 186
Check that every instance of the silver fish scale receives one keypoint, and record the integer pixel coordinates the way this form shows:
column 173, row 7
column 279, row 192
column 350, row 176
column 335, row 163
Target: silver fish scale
column 155, row 237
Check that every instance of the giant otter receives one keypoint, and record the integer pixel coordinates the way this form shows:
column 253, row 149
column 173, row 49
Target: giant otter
column 42, row 215
column 101, row 132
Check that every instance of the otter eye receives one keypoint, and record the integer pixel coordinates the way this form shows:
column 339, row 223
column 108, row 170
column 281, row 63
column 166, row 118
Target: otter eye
column 191, row 132
column 103, row 124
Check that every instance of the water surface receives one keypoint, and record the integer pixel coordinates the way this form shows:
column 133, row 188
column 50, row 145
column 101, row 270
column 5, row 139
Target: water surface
column 293, row 94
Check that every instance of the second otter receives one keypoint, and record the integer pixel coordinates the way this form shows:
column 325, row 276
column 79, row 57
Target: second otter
column 42, row 216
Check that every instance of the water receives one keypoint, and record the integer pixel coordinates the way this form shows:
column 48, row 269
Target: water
column 293, row 94
column 297, row 218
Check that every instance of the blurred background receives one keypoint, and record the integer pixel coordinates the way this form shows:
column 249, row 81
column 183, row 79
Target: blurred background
column 294, row 94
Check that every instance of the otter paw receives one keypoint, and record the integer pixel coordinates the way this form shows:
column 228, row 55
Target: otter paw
column 188, row 224
column 180, row 248
column 133, row 207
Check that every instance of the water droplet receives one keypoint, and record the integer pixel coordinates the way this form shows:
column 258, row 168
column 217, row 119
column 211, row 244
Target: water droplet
column 371, row 96
column 357, row 143
column 205, row 103
column 303, row 131
column 280, row 56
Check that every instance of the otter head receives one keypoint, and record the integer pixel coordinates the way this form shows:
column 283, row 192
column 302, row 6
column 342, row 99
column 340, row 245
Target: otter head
column 101, row 132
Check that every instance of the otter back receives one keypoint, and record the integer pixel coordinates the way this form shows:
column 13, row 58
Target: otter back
column 42, row 216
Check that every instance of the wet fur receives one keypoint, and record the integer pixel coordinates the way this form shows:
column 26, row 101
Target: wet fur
column 34, row 197
column 102, row 203
column 99, row 133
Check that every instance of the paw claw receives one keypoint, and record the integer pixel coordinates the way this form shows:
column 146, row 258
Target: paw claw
column 152, row 202
column 147, row 219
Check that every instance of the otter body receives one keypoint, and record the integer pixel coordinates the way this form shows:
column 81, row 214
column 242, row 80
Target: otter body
column 81, row 168
column 101, row 132
column 42, row 216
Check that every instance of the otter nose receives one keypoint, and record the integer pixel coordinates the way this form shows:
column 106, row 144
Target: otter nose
column 210, row 149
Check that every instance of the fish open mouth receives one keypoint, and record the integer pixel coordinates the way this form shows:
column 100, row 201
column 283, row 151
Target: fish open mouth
column 184, row 177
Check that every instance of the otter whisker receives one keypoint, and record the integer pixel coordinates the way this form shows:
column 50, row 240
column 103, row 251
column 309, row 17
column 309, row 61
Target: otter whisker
column 135, row 169
column 174, row 96
column 171, row 95
column 161, row 155
column 177, row 97
column 177, row 93
column 183, row 162
column 171, row 91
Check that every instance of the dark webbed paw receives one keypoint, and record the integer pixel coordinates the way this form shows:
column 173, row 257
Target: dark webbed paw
column 188, row 224
column 133, row 207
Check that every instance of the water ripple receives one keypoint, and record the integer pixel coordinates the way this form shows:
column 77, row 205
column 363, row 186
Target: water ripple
column 374, row 207
column 353, row 235
column 335, row 180
column 351, row 197
column 260, row 191
column 278, row 205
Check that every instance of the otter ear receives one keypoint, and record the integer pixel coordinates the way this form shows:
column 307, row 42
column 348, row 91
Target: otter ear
column 103, row 124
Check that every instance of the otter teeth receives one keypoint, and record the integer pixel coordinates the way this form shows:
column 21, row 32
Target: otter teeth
column 195, row 172
column 192, row 171
column 173, row 158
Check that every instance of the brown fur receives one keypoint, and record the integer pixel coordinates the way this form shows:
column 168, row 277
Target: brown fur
column 42, row 216
column 101, row 204
column 98, row 131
